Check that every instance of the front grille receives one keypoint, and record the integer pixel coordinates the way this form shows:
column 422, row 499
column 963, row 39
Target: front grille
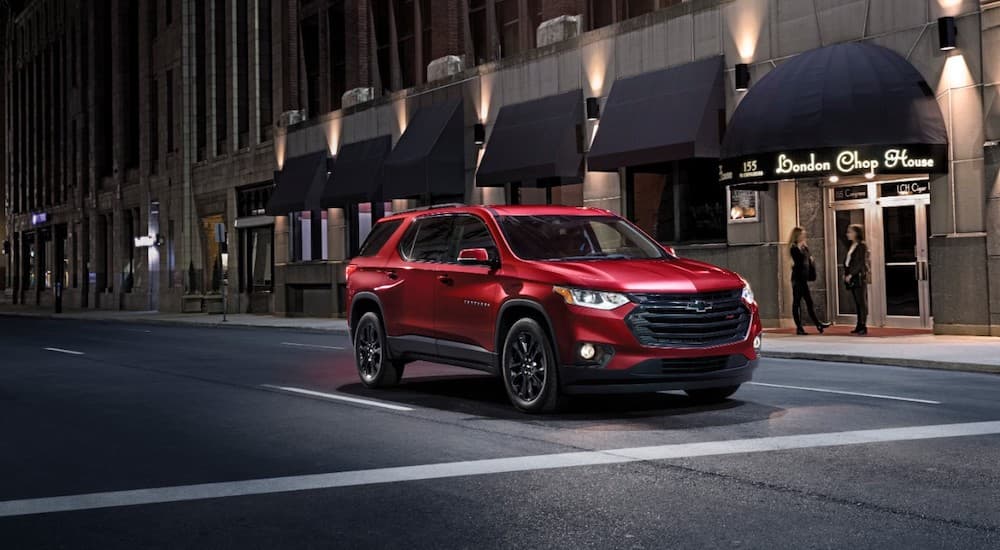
column 689, row 320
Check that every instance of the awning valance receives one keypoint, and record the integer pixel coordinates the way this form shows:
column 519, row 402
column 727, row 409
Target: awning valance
column 846, row 109
column 429, row 158
column 358, row 174
column 536, row 143
column 661, row 116
column 299, row 184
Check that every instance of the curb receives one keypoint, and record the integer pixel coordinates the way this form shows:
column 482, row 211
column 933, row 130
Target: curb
column 890, row 361
column 173, row 322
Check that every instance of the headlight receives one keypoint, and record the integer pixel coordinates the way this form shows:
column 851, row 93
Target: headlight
column 591, row 298
column 748, row 293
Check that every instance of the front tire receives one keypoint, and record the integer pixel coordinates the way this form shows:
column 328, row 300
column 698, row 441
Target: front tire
column 375, row 367
column 712, row 395
column 528, row 367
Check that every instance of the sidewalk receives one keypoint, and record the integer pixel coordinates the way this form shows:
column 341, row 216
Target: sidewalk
column 884, row 347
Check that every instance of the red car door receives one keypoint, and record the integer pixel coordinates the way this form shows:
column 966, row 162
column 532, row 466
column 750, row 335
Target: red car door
column 468, row 296
column 411, row 281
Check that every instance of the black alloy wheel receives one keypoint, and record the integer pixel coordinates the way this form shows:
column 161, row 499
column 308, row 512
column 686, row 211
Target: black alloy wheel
column 529, row 368
column 370, row 354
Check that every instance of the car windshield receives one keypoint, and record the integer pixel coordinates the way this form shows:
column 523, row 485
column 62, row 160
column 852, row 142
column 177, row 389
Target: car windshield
column 574, row 238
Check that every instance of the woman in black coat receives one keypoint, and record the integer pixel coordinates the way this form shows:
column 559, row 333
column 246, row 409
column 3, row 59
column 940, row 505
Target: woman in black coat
column 803, row 271
column 857, row 275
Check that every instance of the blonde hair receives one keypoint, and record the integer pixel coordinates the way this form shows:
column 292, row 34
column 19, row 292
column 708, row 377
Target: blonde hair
column 793, row 239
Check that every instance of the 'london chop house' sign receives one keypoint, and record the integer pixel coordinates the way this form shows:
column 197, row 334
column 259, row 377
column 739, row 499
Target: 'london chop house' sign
column 920, row 159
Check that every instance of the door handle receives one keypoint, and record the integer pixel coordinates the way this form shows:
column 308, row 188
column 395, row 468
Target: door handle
column 446, row 279
column 392, row 275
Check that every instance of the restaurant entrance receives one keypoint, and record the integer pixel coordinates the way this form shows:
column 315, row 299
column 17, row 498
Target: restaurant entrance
column 894, row 214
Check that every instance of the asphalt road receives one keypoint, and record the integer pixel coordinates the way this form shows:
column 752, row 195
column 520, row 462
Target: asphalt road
column 134, row 436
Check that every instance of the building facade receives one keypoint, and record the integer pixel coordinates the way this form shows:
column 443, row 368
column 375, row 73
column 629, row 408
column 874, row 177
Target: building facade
column 283, row 129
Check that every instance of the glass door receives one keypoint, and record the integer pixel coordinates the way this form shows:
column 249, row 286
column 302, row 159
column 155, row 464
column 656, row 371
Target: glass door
column 843, row 218
column 906, row 272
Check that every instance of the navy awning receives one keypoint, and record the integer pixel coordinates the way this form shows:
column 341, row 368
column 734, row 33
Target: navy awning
column 536, row 143
column 358, row 173
column 429, row 158
column 299, row 184
column 661, row 116
column 858, row 99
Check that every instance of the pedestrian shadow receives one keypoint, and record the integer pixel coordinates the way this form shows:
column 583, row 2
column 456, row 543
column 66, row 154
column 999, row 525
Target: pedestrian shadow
column 482, row 396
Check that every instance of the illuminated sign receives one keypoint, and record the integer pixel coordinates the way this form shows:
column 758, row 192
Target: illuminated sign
column 847, row 161
column 905, row 188
column 39, row 218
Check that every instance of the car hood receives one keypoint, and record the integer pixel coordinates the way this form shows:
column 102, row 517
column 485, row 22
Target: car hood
column 678, row 275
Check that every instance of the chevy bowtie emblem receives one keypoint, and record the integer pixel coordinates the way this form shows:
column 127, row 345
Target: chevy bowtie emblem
column 699, row 306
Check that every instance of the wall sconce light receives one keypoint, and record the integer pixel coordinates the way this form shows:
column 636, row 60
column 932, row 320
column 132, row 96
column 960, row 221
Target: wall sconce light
column 947, row 31
column 593, row 108
column 479, row 133
column 742, row 77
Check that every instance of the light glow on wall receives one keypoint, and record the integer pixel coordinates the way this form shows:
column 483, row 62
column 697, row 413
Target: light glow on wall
column 596, row 58
column 745, row 21
column 950, row 7
column 486, row 83
column 401, row 120
column 333, row 128
column 955, row 74
column 280, row 145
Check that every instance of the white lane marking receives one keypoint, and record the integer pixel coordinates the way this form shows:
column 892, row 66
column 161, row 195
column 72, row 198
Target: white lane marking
column 317, row 346
column 483, row 467
column 139, row 330
column 840, row 392
column 339, row 397
column 66, row 351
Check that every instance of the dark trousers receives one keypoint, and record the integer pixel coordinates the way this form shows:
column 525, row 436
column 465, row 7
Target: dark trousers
column 860, row 295
column 800, row 293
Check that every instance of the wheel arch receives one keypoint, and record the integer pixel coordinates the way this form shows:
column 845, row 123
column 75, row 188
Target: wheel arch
column 365, row 302
column 519, row 308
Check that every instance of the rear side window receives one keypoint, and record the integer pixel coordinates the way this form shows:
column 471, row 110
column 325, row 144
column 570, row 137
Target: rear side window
column 378, row 236
column 427, row 240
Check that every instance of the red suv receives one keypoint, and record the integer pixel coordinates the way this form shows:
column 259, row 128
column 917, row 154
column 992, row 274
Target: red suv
column 554, row 299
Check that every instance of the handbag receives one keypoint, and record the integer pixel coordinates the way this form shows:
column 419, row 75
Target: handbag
column 811, row 274
column 855, row 282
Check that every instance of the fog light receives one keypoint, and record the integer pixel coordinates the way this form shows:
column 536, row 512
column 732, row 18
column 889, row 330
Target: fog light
column 587, row 351
column 756, row 342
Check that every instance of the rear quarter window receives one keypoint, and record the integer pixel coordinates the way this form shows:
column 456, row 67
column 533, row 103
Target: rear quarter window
column 378, row 236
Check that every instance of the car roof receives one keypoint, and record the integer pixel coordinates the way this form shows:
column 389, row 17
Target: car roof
column 504, row 210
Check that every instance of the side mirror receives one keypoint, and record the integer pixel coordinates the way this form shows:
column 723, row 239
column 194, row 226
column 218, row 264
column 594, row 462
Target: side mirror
column 476, row 256
column 670, row 250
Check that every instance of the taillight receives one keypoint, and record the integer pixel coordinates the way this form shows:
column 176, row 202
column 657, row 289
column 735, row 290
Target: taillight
column 351, row 268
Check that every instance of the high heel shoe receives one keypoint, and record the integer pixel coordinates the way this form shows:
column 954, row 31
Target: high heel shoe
column 857, row 329
column 863, row 331
column 823, row 326
column 801, row 331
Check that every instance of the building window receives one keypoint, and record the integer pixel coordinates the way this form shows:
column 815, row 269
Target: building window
column 508, row 27
column 171, row 145
column 253, row 201
column 380, row 13
column 169, row 10
column 407, row 41
column 221, row 82
column 338, row 53
column 479, row 30
column 682, row 203
column 154, row 23
column 635, row 8
column 242, row 74
column 257, row 267
column 601, row 13
column 201, row 78
column 154, row 126
column 266, row 115
column 171, row 258
column 310, row 52
column 308, row 236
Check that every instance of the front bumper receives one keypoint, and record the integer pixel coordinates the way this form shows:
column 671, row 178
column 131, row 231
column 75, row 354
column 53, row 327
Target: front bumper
column 630, row 367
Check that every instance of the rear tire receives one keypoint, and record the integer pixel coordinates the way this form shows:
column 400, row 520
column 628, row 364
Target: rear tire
column 375, row 367
column 528, row 368
column 712, row 395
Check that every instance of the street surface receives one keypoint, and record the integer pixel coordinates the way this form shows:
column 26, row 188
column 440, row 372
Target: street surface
column 122, row 435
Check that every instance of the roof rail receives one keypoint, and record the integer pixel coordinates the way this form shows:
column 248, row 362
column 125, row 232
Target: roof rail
column 431, row 207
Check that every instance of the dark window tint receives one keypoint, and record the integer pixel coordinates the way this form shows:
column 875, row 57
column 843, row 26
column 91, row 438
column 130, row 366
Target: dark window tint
column 428, row 240
column 471, row 232
column 378, row 237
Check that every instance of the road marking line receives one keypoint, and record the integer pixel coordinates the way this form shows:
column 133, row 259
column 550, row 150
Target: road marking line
column 484, row 467
column 66, row 351
column 294, row 344
column 840, row 392
column 339, row 397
